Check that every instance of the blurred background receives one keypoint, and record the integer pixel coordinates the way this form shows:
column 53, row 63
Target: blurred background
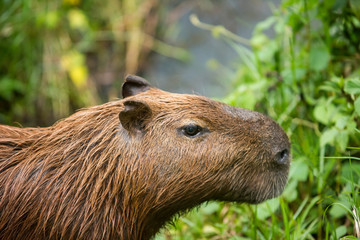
column 297, row 61
column 58, row 56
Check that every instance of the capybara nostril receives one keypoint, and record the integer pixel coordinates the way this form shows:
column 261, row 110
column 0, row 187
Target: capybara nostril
column 282, row 157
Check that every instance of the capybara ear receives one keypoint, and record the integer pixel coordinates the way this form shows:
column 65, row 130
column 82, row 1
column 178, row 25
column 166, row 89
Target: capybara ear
column 134, row 85
column 135, row 116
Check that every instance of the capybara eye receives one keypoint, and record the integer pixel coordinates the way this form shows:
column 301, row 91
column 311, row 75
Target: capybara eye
column 191, row 130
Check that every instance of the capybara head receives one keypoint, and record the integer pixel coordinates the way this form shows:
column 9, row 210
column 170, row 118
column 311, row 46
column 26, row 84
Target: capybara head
column 123, row 169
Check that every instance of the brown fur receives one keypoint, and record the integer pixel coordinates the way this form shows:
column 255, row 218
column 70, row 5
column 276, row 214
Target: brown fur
column 90, row 176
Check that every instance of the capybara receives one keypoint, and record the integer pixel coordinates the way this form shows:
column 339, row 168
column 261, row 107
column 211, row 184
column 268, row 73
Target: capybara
column 123, row 169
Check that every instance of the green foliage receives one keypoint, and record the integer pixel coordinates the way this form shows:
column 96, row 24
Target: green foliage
column 307, row 77
column 31, row 79
column 53, row 50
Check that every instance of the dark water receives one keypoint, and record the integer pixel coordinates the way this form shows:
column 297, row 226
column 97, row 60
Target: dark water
column 196, row 75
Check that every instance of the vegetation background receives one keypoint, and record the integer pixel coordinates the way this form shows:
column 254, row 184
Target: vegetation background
column 306, row 76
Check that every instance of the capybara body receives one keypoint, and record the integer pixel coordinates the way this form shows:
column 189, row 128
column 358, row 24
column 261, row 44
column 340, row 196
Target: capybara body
column 122, row 170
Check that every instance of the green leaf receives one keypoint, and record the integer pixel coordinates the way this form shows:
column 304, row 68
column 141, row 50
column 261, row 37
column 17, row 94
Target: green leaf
column 265, row 209
column 350, row 172
column 341, row 121
column 287, row 75
column 334, row 86
column 290, row 193
column 340, row 231
column 357, row 106
column 266, row 24
column 299, row 169
column 325, row 112
column 339, row 209
column 319, row 57
column 352, row 86
column 342, row 140
column 320, row 114
column 328, row 136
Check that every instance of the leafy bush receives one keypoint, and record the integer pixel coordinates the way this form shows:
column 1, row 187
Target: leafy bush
column 307, row 77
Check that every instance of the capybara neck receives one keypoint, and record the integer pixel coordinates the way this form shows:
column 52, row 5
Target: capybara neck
column 123, row 169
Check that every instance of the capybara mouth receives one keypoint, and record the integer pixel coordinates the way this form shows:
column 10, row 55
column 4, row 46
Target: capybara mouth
column 256, row 192
column 264, row 179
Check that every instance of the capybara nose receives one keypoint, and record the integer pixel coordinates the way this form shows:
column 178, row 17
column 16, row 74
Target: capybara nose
column 282, row 157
